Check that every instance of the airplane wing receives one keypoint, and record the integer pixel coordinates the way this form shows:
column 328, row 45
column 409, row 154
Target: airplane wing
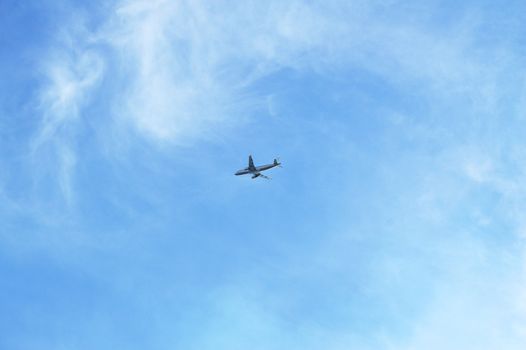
column 251, row 164
column 260, row 174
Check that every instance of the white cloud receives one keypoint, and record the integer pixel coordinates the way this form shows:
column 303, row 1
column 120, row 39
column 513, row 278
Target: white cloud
column 182, row 71
column 189, row 63
column 187, row 67
column 71, row 72
column 71, row 77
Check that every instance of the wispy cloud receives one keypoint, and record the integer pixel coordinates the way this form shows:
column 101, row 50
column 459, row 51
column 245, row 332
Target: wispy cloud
column 72, row 70
column 186, row 68
column 189, row 64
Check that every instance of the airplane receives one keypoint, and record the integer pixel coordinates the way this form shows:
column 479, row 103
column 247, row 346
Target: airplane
column 256, row 170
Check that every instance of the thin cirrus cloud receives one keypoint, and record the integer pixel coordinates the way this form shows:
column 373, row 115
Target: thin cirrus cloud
column 191, row 63
column 72, row 74
column 187, row 67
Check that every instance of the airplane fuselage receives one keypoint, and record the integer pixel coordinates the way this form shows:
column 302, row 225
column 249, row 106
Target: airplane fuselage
column 256, row 170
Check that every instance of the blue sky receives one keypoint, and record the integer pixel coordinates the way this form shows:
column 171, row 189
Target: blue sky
column 397, row 221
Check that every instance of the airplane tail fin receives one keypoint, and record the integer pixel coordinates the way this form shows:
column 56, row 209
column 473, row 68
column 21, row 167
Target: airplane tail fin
column 276, row 162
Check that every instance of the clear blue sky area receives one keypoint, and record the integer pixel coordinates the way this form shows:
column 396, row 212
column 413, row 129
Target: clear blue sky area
column 397, row 221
